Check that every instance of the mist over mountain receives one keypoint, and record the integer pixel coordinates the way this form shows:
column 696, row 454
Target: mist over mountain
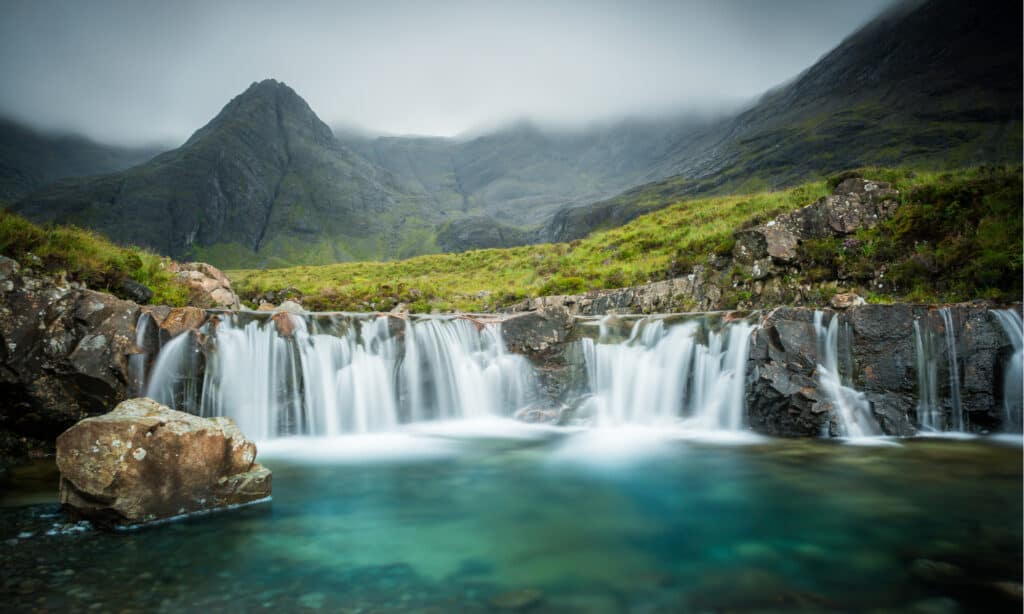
column 266, row 182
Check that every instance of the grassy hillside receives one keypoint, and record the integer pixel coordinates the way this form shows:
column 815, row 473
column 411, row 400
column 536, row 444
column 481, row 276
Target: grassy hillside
column 87, row 257
column 956, row 237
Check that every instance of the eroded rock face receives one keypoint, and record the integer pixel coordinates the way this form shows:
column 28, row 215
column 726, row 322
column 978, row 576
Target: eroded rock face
column 853, row 205
column 209, row 288
column 144, row 462
column 881, row 361
column 63, row 355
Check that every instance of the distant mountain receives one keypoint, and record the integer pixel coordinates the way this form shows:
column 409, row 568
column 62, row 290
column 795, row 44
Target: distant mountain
column 932, row 83
column 265, row 182
column 30, row 159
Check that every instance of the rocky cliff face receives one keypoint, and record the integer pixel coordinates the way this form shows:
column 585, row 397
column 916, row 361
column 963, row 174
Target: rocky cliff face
column 63, row 356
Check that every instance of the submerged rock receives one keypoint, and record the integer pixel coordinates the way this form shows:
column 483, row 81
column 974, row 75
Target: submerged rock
column 144, row 462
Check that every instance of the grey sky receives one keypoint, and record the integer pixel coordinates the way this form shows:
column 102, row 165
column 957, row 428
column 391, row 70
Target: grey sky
column 135, row 72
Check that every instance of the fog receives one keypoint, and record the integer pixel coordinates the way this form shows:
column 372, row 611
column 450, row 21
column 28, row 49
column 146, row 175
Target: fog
column 143, row 72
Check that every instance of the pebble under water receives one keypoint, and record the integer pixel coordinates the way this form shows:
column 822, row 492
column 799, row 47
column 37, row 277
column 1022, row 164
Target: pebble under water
column 542, row 520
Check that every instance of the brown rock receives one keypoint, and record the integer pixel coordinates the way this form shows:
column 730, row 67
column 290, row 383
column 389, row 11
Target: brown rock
column 144, row 462
column 181, row 319
column 284, row 323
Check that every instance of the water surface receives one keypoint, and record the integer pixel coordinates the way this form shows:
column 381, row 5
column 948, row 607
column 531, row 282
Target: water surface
column 477, row 518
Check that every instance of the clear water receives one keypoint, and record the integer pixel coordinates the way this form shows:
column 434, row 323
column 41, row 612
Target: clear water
column 477, row 516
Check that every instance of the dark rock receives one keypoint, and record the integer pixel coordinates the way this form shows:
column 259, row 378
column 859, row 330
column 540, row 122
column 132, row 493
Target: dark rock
column 63, row 354
column 144, row 462
column 134, row 291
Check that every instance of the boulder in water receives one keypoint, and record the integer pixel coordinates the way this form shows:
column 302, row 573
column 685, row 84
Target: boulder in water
column 144, row 462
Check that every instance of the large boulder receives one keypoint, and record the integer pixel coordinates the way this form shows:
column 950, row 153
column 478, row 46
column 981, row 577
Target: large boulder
column 144, row 462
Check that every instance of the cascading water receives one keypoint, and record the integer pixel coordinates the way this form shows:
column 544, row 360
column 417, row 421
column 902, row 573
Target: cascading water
column 956, row 409
column 929, row 346
column 852, row 409
column 662, row 374
column 327, row 375
column 137, row 362
column 1011, row 323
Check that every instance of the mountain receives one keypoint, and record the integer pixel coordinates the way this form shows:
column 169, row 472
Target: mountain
column 928, row 84
column 933, row 84
column 30, row 159
column 265, row 182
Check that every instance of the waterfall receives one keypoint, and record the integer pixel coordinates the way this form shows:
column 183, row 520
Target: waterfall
column 323, row 374
column 659, row 374
column 137, row 361
column 928, row 347
column 957, row 414
column 1011, row 323
column 851, row 408
column 929, row 416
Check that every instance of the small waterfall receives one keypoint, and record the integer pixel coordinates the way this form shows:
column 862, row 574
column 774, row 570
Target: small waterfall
column 331, row 374
column 137, row 362
column 664, row 374
column 929, row 345
column 929, row 416
column 1011, row 323
column 852, row 409
column 956, row 411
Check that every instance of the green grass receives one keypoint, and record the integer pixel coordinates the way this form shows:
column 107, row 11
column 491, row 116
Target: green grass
column 87, row 257
column 965, row 224
column 653, row 246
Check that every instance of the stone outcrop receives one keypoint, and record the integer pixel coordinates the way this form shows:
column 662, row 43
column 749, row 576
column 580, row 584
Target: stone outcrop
column 63, row 356
column 144, row 462
column 767, row 256
column 878, row 355
column 209, row 288
column 853, row 205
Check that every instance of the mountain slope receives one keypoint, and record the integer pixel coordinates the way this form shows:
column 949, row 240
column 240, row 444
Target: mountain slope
column 30, row 159
column 934, row 84
column 264, row 182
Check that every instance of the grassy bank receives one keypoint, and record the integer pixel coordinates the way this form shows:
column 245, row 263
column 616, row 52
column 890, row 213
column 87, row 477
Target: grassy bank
column 957, row 236
column 87, row 257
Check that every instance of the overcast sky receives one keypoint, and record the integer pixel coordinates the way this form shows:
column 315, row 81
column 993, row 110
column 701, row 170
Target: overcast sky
column 137, row 71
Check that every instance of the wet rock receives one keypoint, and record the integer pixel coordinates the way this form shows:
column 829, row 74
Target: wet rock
column 144, row 462
column 936, row 572
column 290, row 307
column 285, row 323
column 63, row 355
column 181, row 319
column 517, row 600
column 135, row 291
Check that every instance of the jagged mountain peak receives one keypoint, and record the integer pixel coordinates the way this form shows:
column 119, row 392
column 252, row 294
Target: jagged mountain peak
column 271, row 110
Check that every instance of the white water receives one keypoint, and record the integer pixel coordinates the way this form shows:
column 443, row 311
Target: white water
column 956, row 409
column 1011, row 323
column 661, row 374
column 928, row 347
column 137, row 362
column 338, row 374
column 852, row 409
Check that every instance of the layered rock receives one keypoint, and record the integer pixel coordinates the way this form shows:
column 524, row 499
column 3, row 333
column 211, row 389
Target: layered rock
column 63, row 355
column 853, row 205
column 144, row 462
column 879, row 358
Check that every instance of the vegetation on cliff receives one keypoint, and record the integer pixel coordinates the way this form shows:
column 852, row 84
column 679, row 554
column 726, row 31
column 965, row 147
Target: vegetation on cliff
column 956, row 236
column 87, row 257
